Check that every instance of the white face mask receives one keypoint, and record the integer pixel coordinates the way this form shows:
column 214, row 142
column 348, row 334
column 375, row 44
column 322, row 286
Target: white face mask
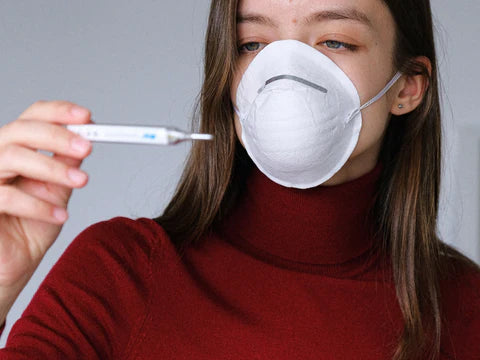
column 300, row 114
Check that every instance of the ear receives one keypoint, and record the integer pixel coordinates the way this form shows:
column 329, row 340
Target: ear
column 411, row 90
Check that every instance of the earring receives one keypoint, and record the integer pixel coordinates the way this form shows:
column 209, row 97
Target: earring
column 400, row 106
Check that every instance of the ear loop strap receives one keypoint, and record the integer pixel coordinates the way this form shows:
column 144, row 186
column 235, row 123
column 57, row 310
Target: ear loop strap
column 379, row 95
column 384, row 90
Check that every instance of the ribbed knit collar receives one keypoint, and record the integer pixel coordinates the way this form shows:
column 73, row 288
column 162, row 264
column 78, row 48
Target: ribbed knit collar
column 325, row 225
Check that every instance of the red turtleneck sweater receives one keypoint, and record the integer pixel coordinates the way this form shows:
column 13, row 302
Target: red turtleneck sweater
column 288, row 276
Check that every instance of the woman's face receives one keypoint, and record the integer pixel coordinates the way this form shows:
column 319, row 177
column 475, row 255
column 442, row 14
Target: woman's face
column 358, row 35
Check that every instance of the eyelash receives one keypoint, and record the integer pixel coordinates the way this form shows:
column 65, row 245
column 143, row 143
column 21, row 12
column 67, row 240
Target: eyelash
column 347, row 46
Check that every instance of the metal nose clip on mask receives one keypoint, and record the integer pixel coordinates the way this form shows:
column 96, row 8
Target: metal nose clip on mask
column 300, row 114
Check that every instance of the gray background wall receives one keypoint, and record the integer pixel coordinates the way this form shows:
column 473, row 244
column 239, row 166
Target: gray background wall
column 140, row 62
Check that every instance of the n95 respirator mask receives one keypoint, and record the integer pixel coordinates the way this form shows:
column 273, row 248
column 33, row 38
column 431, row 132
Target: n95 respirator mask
column 300, row 114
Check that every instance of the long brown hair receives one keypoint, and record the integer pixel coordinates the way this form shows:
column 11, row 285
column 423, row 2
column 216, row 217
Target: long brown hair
column 407, row 200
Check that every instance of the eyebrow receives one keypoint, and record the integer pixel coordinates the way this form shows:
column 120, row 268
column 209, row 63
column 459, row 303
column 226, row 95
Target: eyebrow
column 337, row 14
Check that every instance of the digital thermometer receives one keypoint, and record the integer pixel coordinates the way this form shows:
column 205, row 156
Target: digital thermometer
column 154, row 135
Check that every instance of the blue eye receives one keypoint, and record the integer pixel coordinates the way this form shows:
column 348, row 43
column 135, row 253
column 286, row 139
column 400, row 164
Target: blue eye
column 250, row 47
column 335, row 45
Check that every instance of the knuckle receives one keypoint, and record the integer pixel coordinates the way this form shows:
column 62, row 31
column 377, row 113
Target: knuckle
column 36, row 106
column 7, row 128
column 65, row 105
column 53, row 132
column 12, row 130
column 11, row 126
column 59, row 105
column 59, row 137
column 55, row 169
column 39, row 103
column 33, row 109
column 8, row 153
column 58, row 102
column 19, row 124
column 6, row 196
column 50, row 166
column 54, row 105
column 72, row 105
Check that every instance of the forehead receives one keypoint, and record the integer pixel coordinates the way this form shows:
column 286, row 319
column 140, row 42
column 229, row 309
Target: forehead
column 371, row 14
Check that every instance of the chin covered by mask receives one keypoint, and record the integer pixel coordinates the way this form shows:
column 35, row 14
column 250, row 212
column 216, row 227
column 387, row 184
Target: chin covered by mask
column 300, row 114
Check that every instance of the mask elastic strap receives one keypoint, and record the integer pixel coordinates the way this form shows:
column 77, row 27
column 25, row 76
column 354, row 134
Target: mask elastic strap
column 375, row 98
column 384, row 90
column 236, row 109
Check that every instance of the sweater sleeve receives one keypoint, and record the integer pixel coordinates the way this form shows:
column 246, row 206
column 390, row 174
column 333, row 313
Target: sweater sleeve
column 94, row 299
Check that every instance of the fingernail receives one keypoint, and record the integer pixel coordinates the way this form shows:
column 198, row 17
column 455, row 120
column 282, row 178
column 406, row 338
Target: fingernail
column 76, row 176
column 60, row 214
column 78, row 111
column 80, row 144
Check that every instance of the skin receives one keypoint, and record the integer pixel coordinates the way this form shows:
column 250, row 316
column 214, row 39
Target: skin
column 370, row 67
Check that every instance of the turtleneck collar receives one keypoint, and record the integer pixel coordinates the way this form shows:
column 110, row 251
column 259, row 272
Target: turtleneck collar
column 325, row 225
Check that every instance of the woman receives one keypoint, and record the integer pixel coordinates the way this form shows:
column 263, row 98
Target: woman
column 240, row 265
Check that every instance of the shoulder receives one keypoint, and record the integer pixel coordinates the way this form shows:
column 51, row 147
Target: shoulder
column 120, row 239
column 144, row 230
column 461, row 310
column 98, row 292
column 462, row 284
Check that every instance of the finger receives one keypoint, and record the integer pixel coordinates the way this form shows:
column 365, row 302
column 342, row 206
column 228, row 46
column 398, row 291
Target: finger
column 45, row 136
column 18, row 203
column 16, row 160
column 55, row 194
column 71, row 162
column 58, row 111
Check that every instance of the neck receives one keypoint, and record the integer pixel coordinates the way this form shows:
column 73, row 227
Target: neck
column 324, row 225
